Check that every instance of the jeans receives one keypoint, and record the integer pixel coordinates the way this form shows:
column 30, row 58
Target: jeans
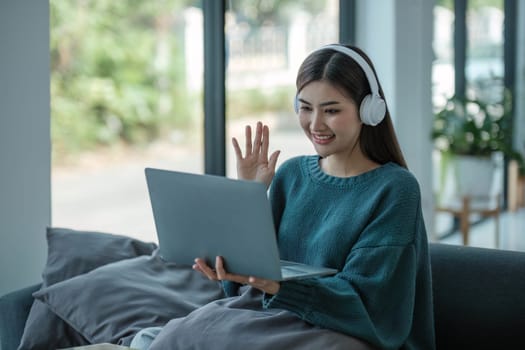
column 143, row 339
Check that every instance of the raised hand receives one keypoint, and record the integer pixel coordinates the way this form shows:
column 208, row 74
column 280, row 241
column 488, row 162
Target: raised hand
column 255, row 164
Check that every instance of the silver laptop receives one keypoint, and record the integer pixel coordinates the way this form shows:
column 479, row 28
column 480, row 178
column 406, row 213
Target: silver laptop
column 207, row 216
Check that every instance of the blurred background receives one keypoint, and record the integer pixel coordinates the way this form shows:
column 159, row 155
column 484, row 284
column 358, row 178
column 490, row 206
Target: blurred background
column 94, row 91
column 127, row 82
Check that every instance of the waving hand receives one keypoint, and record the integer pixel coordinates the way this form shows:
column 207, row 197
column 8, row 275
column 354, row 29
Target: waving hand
column 255, row 164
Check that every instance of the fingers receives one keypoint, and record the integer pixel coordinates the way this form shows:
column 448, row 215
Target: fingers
column 256, row 145
column 267, row 286
column 272, row 162
column 222, row 275
column 201, row 266
column 237, row 148
column 219, row 267
column 257, row 283
column 261, row 140
column 251, row 145
column 248, row 139
column 265, row 142
column 256, row 148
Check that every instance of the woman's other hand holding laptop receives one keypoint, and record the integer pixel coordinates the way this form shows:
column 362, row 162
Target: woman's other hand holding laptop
column 220, row 274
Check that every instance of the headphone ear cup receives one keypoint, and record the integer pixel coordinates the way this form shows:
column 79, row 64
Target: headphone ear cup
column 372, row 110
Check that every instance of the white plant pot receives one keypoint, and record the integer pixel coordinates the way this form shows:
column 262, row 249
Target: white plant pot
column 474, row 175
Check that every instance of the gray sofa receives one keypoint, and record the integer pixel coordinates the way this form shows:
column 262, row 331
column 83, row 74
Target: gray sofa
column 479, row 300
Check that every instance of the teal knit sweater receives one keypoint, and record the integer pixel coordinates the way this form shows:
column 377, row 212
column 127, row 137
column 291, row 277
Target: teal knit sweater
column 369, row 227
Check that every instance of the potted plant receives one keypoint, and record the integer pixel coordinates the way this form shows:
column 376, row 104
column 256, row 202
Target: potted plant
column 470, row 134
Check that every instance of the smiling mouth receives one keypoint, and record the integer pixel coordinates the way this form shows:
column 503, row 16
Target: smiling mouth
column 322, row 139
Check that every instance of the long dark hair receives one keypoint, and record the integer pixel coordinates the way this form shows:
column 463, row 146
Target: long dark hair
column 379, row 143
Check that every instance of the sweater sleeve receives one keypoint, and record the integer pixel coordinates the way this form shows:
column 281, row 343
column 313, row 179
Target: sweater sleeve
column 230, row 288
column 372, row 298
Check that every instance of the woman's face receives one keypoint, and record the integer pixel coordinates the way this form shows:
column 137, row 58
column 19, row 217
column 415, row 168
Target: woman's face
column 330, row 120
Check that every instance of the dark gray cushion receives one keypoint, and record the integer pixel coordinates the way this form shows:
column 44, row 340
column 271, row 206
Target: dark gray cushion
column 479, row 297
column 71, row 253
column 112, row 303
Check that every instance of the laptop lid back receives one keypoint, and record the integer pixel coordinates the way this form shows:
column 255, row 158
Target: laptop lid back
column 207, row 216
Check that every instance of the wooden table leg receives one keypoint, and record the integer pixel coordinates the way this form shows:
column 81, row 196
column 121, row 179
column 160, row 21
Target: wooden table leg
column 464, row 219
column 513, row 186
column 496, row 219
column 520, row 200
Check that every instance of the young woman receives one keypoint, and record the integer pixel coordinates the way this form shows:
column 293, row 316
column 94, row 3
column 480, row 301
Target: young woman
column 354, row 207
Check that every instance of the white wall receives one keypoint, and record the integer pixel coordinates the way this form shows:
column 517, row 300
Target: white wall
column 397, row 34
column 375, row 34
column 25, row 198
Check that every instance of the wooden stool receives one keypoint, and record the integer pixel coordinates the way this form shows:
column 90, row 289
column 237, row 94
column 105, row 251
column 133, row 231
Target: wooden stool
column 516, row 187
column 470, row 205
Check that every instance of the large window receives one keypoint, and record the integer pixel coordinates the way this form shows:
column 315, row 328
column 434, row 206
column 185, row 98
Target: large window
column 126, row 94
column 443, row 65
column 484, row 59
column 266, row 42
column 476, row 69
column 483, row 35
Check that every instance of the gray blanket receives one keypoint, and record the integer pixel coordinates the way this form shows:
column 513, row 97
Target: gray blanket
column 241, row 323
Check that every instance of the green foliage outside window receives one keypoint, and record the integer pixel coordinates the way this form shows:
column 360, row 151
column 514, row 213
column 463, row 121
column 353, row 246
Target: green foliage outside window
column 118, row 71
column 106, row 83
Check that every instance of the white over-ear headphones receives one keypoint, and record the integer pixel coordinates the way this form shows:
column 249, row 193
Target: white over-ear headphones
column 373, row 108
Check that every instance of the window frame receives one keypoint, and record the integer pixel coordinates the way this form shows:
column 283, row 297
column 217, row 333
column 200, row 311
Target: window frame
column 215, row 72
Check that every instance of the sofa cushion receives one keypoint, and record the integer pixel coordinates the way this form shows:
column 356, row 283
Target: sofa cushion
column 112, row 303
column 14, row 308
column 479, row 297
column 71, row 253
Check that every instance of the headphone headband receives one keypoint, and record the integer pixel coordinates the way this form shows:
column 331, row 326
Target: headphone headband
column 370, row 76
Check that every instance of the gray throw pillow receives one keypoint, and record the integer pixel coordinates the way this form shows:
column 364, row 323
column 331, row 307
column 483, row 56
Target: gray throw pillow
column 112, row 303
column 71, row 253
